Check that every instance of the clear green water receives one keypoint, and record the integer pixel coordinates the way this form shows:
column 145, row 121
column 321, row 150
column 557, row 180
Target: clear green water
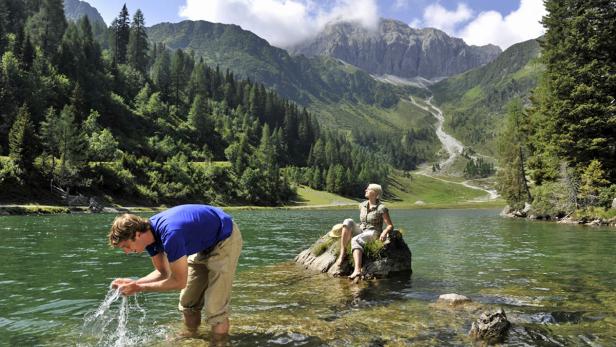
column 557, row 283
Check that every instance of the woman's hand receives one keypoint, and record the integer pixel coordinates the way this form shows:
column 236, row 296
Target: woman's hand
column 120, row 281
column 383, row 236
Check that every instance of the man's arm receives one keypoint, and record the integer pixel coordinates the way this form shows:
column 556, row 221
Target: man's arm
column 176, row 278
column 161, row 269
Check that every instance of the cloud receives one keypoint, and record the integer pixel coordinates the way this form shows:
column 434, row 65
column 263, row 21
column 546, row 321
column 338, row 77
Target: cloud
column 520, row 25
column 436, row 16
column 489, row 26
column 281, row 22
column 400, row 4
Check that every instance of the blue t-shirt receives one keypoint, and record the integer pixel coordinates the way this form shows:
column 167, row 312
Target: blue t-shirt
column 188, row 229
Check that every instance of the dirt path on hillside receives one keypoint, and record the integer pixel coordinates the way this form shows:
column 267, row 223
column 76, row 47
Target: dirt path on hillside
column 453, row 147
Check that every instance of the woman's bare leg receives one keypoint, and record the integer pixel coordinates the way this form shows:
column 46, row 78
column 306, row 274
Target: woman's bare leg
column 345, row 238
column 357, row 256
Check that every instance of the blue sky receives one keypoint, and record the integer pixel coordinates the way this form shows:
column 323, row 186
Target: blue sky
column 285, row 22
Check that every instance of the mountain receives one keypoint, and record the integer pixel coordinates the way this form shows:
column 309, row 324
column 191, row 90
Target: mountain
column 75, row 9
column 394, row 48
column 474, row 102
column 326, row 82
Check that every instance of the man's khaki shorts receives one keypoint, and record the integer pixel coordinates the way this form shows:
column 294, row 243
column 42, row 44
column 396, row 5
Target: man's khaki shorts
column 210, row 278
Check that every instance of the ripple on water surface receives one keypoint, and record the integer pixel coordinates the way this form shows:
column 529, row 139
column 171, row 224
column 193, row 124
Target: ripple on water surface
column 556, row 284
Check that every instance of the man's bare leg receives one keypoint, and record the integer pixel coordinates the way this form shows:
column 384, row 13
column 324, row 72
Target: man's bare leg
column 221, row 328
column 192, row 320
column 220, row 333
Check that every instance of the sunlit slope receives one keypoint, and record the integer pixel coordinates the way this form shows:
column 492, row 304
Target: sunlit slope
column 474, row 102
column 407, row 191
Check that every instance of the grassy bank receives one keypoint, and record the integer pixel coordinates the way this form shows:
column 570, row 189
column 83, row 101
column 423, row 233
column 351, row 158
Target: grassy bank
column 404, row 191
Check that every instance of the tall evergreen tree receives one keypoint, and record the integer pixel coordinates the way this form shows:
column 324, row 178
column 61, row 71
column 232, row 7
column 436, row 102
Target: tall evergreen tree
column 178, row 77
column 50, row 133
column 21, row 139
column 71, row 146
column 511, row 179
column 119, row 35
column 579, row 51
column 47, row 26
column 138, row 43
column 161, row 75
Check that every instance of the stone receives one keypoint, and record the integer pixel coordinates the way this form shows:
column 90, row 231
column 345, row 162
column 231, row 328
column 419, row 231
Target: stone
column 507, row 211
column 519, row 213
column 453, row 299
column 614, row 203
column 491, row 327
column 95, row 206
column 527, row 208
column 394, row 257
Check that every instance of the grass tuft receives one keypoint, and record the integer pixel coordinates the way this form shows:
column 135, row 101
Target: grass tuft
column 320, row 248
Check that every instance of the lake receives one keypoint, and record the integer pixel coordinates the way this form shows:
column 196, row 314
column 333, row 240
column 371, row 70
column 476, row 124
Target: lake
column 556, row 283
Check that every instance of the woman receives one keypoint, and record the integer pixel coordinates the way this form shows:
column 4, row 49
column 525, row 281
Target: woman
column 372, row 215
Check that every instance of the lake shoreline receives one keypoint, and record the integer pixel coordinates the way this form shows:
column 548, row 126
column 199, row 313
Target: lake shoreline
column 39, row 209
column 592, row 221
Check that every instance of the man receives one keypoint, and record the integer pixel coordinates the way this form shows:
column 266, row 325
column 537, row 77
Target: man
column 195, row 249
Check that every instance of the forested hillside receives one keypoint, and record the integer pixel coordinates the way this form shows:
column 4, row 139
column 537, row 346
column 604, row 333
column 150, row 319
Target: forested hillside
column 338, row 94
column 145, row 124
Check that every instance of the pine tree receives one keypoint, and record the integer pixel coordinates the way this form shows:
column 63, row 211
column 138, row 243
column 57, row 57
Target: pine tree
column 161, row 75
column 579, row 51
column 138, row 43
column 511, row 179
column 71, row 146
column 178, row 77
column 47, row 26
column 592, row 181
column 199, row 118
column 120, row 35
column 21, row 140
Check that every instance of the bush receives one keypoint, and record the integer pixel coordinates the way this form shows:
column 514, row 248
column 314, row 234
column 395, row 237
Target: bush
column 551, row 199
column 372, row 249
column 606, row 196
column 9, row 171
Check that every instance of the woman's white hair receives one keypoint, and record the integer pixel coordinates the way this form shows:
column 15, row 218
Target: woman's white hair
column 376, row 188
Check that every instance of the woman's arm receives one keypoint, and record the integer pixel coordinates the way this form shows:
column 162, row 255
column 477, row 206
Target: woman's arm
column 390, row 226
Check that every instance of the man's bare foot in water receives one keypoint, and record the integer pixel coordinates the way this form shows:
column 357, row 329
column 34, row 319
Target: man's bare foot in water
column 354, row 275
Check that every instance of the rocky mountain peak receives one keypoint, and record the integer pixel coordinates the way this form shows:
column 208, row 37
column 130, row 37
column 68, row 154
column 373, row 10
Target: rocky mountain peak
column 395, row 48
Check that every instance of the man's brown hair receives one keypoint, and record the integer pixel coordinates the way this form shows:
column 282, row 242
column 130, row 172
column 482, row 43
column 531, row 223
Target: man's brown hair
column 125, row 227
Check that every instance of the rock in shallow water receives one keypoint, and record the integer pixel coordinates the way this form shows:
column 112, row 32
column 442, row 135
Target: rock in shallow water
column 453, row 299
column 393, row 257
column 491, row 327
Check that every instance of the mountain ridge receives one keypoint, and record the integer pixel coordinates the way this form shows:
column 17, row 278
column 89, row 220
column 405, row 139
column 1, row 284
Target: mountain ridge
column 75, row 9
column 395, row 48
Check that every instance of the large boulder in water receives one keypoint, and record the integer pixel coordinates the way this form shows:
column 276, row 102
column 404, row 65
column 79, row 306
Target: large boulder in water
column 381, row 259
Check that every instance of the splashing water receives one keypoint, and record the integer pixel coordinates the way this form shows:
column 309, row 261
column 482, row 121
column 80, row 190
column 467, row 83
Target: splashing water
column 109, row 324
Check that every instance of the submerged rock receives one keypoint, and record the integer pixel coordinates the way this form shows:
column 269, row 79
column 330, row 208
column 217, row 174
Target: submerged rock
column 453, row 299
column 394, row 256
column 491, row 327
